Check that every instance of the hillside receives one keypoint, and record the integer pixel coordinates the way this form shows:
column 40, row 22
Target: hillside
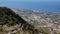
column 22, row 21
column 11, row 23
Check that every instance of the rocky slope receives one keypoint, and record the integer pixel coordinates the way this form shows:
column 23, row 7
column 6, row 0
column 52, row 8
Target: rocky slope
column 22, row 21
column 11, row 23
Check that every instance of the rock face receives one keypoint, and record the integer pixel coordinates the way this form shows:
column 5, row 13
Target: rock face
column 11, row 23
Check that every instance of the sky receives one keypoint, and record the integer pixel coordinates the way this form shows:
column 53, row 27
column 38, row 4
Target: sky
column 32, row 0
column 18, row 2
column 50, row 5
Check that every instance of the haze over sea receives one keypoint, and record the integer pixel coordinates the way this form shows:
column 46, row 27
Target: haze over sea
column 43, row 6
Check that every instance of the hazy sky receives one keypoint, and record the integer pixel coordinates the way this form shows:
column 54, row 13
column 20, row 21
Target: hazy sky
column 46, row 5
column 30, row 0
column 12, row 3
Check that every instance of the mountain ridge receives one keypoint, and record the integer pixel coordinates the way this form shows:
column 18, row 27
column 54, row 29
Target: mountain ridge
column 12, row 23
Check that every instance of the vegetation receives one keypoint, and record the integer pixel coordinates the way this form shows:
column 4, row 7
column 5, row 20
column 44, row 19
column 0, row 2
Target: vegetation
column 10, row 18
column 7, row 16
